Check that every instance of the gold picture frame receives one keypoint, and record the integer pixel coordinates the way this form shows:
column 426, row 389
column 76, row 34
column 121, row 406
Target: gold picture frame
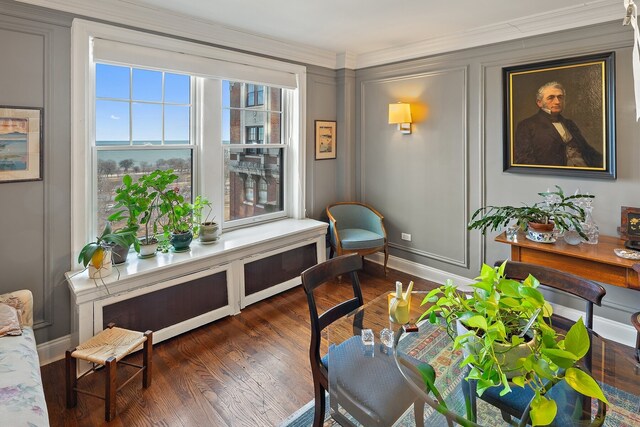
column 21, row 139
column 326, row 143
column 559, row 117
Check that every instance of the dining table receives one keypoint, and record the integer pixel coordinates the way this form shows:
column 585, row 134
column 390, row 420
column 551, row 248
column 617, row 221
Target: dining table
column 454, row 401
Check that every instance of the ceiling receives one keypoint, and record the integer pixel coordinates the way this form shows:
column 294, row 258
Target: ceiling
column 349, row 33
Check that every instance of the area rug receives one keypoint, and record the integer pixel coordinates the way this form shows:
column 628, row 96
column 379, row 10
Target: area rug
column 436, row 347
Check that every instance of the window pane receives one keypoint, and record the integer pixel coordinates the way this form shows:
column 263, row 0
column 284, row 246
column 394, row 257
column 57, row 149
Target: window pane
column 274, row 135
column 147, row 85
column 112, row 81
column 231, row 94
column 241, row 166
column 146, row 125
column 112, row 123
column 176, row 124
column 177, row 88
column 233, row 124
column 114, row 164
column 275, row 99
column 226, row 129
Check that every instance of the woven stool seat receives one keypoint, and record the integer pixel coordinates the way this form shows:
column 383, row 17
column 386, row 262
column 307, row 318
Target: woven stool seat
column 111, row 342
column 108, row 348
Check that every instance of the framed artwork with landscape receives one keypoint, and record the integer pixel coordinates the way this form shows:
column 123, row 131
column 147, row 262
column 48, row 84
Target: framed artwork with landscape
column 559, row 117
column 20, row 144
column 325, row 139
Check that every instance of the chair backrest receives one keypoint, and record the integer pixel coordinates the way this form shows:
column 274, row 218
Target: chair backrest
column 355, row 215
column 316, row 276
column 588, row 290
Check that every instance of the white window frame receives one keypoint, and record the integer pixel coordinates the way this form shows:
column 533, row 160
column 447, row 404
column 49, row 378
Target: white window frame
column 83, row 113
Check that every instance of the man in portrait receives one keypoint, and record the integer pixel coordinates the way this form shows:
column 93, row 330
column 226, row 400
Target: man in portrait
column 549, row 139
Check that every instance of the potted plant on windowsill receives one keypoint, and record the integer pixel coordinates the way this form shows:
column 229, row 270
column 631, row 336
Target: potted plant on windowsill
column 495, row 320
column 557, row 210
column 136, row 203
column 97, row 256
column 173, row 212
column 204, row 227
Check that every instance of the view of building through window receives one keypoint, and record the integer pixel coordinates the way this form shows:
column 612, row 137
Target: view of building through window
column 251, row 170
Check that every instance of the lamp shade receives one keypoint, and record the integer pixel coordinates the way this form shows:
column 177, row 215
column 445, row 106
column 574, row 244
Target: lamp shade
column 399, row 113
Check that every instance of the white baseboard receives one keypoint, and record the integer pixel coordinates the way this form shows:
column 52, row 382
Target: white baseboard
column 52, row 351
column 610, row 329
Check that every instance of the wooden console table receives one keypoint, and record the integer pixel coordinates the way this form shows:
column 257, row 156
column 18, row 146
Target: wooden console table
column 596, row 262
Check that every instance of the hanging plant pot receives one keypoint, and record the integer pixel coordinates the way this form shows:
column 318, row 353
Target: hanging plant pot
column 181, row 241
column 209, row 233
column 100, row 265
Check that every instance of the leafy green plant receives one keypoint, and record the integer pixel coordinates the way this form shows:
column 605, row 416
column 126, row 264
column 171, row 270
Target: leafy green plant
column 495, row 315
column 92, row 251
column 198, row 207
column 173, row 212
column 564, row 211
column 136, row 203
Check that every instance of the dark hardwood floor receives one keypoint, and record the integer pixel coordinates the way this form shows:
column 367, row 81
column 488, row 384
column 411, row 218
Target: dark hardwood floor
column 246, row 370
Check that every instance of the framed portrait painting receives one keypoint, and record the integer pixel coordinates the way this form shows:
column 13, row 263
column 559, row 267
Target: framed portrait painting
column 559, row 117
column 20, row 144
column 325, row 139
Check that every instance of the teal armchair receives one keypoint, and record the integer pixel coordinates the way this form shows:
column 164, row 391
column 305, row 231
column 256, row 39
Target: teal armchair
column 356, row 228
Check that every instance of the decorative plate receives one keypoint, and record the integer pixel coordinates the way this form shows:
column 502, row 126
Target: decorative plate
column 627, row 254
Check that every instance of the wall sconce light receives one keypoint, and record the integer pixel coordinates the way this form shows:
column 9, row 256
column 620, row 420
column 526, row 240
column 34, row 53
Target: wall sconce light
column 400, row 114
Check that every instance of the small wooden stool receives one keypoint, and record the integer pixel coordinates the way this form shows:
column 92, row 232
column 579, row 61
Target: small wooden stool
column 107, row 348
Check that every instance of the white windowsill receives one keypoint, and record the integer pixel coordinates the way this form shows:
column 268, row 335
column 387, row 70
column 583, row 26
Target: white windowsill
column 233, row 245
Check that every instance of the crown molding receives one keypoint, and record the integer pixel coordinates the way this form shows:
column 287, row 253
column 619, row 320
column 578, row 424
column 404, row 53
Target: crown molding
column 154, row 19
column 591, row 13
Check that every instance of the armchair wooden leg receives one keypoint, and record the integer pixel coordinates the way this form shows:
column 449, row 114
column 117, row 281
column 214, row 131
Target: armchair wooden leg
column 386, row 258
column 110, row 389
column 71, row 379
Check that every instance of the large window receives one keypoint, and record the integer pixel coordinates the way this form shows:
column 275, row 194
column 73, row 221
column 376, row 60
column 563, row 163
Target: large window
column 142, row 123
column 220, row 119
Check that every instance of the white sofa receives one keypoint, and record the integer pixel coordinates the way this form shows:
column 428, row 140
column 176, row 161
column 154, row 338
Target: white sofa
column 22, row 401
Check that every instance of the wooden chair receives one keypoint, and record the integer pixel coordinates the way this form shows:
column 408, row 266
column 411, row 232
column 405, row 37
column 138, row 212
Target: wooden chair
column 373, row 400
column 356, row 228
column 107, row 349
column 515, row 403
column 635, row 321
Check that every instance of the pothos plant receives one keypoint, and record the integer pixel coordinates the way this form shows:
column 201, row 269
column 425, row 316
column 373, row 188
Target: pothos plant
column 497, row 312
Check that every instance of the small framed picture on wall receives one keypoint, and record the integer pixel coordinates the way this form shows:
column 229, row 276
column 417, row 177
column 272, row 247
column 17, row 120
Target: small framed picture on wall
column 325, row 139
column 20, row 144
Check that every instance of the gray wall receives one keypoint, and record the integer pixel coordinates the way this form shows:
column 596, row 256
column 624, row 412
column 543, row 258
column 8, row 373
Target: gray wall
column 430, row 182
column 35, row 222
column 35, row 250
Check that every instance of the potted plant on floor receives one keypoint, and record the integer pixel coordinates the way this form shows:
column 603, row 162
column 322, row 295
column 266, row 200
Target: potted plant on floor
column 557, row 210
column 204, row 226
column 96, row 255
column 504, row 316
